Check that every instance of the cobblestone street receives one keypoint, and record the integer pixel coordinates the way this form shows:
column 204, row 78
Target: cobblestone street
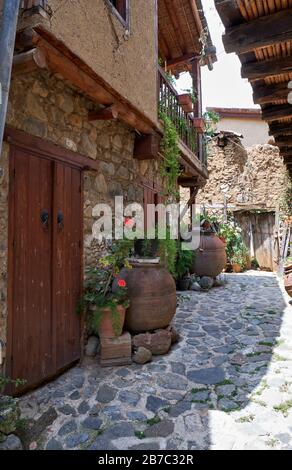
column 226, row 385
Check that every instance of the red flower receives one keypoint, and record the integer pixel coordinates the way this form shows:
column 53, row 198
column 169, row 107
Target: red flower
column 122, row 283
column 129, row 222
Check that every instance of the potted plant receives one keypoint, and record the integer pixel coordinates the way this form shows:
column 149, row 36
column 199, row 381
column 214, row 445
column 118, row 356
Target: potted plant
column 105, row 308
column 184, row 262
column 199, row 124
column 186, row 101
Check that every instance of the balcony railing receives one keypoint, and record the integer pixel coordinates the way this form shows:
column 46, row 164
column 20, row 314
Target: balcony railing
column 183, row 122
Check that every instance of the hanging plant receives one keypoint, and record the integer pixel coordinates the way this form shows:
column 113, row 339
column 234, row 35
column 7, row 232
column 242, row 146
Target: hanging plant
column 170, row 164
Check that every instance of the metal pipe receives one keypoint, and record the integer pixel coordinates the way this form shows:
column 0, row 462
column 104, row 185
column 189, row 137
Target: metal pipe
column 7, row 41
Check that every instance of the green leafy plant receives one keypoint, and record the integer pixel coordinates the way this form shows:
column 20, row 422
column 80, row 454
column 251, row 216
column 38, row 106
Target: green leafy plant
column 184, row 262
column 98, row 292
column 170, row 164
column 8, row 381
column 211, row 119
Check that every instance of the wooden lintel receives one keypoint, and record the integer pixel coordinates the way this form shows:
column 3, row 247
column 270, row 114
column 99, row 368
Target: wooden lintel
column 106, row 114
column 62, row 61
column 266, row 68
column 276, row 112
column 265, row 31
column 27, row 62
column 147, row 147
column 265, row 94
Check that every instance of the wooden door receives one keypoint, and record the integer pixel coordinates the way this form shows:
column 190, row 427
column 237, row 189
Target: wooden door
column 67, row 229
column 44, row 267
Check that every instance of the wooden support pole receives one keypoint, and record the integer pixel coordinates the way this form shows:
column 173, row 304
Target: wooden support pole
column 29, row 61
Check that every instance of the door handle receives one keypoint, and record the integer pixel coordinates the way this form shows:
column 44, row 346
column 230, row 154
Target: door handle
column 44, row 216
column 60, row 220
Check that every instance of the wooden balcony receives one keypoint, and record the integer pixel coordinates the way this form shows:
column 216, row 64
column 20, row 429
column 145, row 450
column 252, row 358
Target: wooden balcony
column 191, row 142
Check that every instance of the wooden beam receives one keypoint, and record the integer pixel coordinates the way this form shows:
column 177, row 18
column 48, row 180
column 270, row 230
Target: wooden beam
column 78, row 75
column 280, row 128
column 27, row 62
column 284, row 141
column 276, row 112
column 188, row 182
column 264, row 31
column 106, row 114
column 267, row 68
column 265, row 94
column 180, row 60
column 229, row 12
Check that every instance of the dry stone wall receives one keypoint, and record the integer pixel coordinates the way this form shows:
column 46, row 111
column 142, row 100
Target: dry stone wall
column 241, row 175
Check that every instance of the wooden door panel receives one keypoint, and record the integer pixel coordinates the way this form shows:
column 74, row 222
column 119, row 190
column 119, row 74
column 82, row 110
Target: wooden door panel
column 67, row 264
column 31, row 348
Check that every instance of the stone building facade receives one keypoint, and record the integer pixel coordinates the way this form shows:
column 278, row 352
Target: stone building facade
column 44, row 106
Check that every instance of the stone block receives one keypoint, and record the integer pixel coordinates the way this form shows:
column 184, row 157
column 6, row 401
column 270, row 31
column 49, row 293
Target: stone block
column 116, row 351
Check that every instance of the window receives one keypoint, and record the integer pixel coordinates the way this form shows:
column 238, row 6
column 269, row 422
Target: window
column 120, row 7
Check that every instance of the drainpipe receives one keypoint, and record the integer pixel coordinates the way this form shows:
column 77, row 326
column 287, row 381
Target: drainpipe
column 7, row 41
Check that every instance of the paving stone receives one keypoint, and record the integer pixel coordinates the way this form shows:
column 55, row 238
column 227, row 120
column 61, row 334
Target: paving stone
column 123, row 429
column 67, row 428
column 12, row 442
column 102, row 443
column 92, row 423
column 53, row 444
column 200, row 396
column 83, row 408
column 225, row 390
column 156, row 403
column 162, row 429
column 212, row 375
column 146, row 446
column 172, row 381
column 76, row 440
column 136, row 416
column 180, row 408
column 67, row 410
column 227, row 405
column 132, row 398
column 106, row 394
column 75, row 395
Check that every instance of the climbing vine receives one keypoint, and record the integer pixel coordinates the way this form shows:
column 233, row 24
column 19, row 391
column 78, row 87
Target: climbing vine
column 170, row 167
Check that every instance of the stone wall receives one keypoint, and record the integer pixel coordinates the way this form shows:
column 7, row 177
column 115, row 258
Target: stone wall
column 44, row 106
column 243, row 176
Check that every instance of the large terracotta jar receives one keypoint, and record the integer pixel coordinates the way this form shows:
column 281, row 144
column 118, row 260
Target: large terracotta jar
column 152, row 296
column 288, row 284
column 210, row 258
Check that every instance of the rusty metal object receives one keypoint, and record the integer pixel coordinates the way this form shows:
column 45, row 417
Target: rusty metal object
column 152, row 295
column 210, row 258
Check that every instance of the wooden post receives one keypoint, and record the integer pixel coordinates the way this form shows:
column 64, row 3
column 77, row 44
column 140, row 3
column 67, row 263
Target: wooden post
column 197, row 87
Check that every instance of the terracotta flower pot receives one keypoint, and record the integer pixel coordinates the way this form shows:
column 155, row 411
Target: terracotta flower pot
column 186, row 102
column 199, row 125
column 236, row 268
column 106, row 327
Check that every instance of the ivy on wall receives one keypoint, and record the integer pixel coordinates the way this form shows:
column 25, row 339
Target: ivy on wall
column 170, row 164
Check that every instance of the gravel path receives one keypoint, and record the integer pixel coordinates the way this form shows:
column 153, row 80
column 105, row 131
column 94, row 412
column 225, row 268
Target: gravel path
column 226, row 385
